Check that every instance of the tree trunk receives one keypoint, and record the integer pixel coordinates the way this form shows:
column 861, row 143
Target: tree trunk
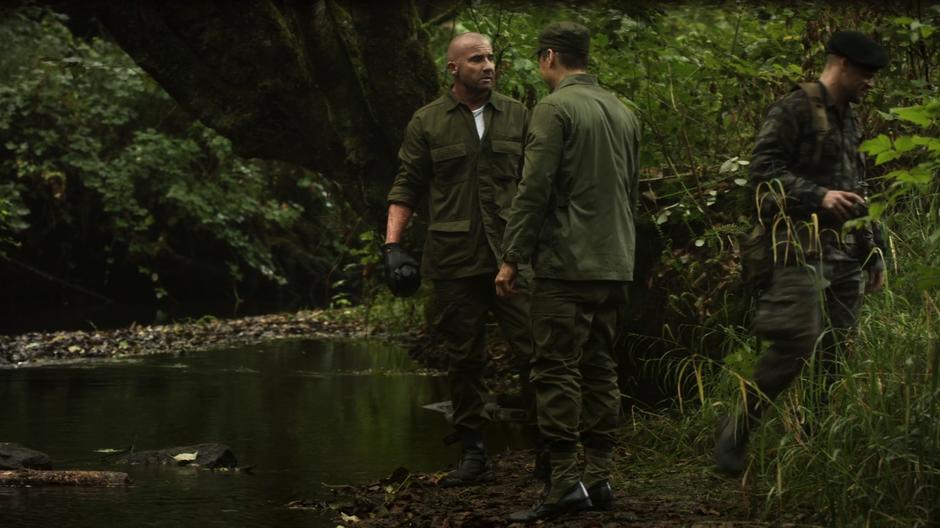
column 328, row 84
column 90, row 479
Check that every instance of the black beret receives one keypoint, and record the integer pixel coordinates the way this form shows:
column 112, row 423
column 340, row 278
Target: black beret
column 565, row 36
column 858, row 48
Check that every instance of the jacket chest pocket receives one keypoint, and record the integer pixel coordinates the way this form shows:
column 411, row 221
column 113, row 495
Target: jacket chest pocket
column 507, row 155
column 450, row 163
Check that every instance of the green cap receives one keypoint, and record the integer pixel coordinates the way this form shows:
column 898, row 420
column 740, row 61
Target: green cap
column 565, row 36
column 858, row 48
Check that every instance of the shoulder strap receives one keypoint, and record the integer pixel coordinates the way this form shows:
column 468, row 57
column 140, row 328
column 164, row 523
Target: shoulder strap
column 820, row 117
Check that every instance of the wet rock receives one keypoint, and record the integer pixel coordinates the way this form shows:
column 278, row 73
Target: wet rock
column 15, row 456
column 211, row 456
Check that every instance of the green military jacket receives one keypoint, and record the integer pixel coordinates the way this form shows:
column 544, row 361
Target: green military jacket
column 470, row 182
column 574, row 214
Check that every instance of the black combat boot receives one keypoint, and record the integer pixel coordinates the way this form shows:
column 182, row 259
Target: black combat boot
column 602, row 496
column 598, row 461
column 574, row 499
column 475, row 467
column 734, row 433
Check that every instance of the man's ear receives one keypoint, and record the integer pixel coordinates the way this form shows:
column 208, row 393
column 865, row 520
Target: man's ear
column 451, row 67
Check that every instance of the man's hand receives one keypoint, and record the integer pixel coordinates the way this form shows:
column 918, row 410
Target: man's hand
column 840, row 203
column 506, row 280
column 401, row 271
column 876, row 280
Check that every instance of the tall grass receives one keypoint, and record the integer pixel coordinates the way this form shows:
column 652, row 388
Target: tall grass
column 871, row 455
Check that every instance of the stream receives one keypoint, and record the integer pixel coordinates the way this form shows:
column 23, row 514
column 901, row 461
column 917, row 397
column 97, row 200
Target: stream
column 302, row 413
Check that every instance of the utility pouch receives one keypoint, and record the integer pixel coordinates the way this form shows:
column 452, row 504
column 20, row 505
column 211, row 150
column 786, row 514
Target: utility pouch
column 757, row 262
column 865, row 243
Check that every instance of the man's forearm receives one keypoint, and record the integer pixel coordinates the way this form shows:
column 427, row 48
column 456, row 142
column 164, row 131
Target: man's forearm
column 398, row 217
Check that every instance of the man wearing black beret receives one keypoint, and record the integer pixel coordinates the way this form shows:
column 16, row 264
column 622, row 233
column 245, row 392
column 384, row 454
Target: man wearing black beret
column 810, row 268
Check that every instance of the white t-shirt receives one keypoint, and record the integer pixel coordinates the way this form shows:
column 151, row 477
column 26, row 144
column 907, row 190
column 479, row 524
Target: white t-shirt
column 478, row 118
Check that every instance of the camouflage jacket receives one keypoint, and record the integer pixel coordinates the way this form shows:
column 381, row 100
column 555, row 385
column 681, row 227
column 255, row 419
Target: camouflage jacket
column 789, row 150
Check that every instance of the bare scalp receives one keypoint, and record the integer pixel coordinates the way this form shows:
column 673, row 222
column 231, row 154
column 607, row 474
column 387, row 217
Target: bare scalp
column 464, row 42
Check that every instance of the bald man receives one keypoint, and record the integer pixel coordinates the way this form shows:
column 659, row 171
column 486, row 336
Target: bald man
column 464, row 152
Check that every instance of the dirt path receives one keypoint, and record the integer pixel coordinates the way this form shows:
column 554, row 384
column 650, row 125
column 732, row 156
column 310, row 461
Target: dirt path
column 653, row 495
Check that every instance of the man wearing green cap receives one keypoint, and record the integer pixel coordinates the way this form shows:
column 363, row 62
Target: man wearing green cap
column 808, row 175
column 463, row 151
column 573, row 219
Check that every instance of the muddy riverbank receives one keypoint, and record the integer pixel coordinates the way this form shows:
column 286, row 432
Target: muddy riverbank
column 68, row 346
column 649, row 492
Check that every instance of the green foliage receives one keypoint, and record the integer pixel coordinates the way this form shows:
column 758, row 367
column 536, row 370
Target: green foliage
column 701, row 77
column 377, row 309
column 97, row 158
column 914, row 159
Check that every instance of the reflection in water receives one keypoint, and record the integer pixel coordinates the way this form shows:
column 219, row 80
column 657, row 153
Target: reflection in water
column 302, row 413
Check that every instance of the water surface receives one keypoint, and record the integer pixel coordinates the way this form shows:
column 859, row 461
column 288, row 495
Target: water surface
column 302, row 413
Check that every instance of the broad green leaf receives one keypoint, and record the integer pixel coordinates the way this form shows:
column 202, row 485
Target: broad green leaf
column 887, row 156
column 876, row 145
column 904, row 144
column 932, row 144
column 922, row 115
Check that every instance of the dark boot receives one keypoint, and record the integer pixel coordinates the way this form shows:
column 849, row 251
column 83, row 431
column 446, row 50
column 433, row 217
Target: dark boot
column 598, row 461
column 475, row 467
column 602, row 496
column 574, row 499
column 731, row 445
column 565, row 494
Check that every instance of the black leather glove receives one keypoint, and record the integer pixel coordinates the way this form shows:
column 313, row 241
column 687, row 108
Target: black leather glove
column 401, row 271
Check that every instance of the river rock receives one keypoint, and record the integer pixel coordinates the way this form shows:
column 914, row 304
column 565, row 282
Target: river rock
column 15, row 456
column 202, row 455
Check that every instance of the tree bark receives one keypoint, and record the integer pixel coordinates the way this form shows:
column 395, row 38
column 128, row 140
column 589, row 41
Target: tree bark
column 327, row 84
column 91, row 479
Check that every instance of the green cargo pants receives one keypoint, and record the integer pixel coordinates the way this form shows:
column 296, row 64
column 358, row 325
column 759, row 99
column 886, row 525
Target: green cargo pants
column 462, row 306
column 805, row 309
column 575, row 325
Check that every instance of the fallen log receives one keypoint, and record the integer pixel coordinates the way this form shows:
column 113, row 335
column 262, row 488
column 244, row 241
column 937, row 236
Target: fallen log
column 21, row 478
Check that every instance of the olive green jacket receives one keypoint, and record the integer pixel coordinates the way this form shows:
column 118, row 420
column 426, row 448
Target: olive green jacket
column 573, row 216
column 469, row 182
